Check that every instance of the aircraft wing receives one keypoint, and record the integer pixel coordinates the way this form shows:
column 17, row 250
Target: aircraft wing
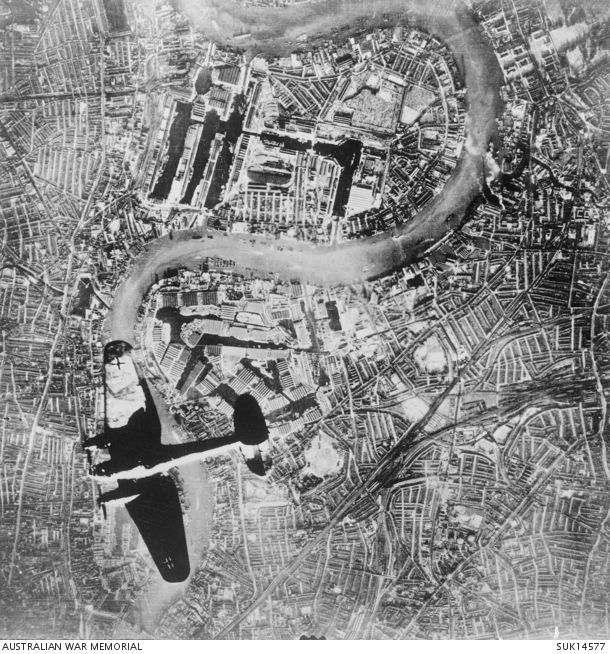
column 157, row 514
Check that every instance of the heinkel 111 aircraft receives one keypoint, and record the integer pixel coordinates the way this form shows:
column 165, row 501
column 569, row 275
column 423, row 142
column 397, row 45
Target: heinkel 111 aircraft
column 139, row 461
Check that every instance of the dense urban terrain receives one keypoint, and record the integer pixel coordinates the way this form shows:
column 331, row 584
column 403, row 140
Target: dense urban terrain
column 397, row 243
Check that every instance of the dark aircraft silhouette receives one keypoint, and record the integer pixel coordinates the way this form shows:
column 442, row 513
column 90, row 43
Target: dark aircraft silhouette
column 139, row 461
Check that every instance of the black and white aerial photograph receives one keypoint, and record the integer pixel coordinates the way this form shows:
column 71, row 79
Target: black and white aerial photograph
column 305, row 320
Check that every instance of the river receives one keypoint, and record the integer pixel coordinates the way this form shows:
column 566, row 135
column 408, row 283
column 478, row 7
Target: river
column 345, row 263
column 350, row 261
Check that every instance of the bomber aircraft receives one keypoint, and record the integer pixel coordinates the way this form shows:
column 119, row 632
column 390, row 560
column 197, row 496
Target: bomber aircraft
column 139, row 461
